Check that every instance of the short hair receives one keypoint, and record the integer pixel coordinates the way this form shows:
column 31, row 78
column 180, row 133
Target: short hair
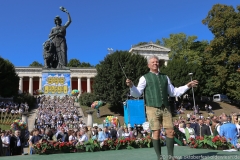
column 151, row 57
column 82, row 130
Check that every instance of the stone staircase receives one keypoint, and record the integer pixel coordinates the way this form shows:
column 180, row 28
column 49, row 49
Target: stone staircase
column 81, row 112
column 31, row 119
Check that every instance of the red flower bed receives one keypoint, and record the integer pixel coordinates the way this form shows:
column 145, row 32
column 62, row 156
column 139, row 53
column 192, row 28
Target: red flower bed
column 46, row 147
column 210, row 142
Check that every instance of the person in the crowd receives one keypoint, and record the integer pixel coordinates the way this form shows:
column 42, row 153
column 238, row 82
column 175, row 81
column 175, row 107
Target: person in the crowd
column 189, row 132
column 193, row 124
column 208, row 123
column 5, row 143
column 113, row 133
column 181, row 127
column 62, row 135
column 131, row 132
column 48, row 135
column 30, row 149
column 1, row 153
column 16, row 143
column 36, row 137
column 83, row 137
column 206, row 107
column 139, row 132
column 101, row 135
column 236, row 121
column 216, row 125
column 95, row 134
column 120, row 132
column 202, row 129
column 126, row 133
column 228, row 130
column 106, row 133
column 88, row 132
column 71, row 137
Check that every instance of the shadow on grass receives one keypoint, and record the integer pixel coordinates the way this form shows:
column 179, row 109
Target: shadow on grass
column 117, row 110
column 105, row 115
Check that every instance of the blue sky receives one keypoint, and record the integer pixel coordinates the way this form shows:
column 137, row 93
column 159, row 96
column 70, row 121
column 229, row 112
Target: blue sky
column 97, row 25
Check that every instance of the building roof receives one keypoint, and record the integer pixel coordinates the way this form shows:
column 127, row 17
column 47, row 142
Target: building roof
column 149, row 47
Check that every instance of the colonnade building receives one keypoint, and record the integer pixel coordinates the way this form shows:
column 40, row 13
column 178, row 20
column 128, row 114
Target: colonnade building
column 31, row 78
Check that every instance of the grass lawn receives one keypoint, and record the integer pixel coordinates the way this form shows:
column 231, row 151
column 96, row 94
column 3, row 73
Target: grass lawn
column 4, row 127
column 217, row 107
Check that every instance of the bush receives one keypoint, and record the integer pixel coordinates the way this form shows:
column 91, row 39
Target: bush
column 87, row 99
column 22, row 98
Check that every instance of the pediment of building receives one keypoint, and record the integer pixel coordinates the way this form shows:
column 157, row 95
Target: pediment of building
column 149, row 47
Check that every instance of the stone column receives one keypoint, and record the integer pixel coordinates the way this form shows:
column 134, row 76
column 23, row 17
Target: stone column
column 88, row 85
column 79, row 85
column 90, row 118
column 21, row 84
column 40, row 83
column 24, row 118
column 30, row 85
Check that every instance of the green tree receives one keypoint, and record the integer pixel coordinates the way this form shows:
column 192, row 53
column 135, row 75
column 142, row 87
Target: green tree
column 36, row 64
column 141, row 43
column 158, row 42
column 85, row 64
column 178, row 70
column 110, row 82
column 9, row 80
column 186, row 47
column 222, row 59
column 76, row 63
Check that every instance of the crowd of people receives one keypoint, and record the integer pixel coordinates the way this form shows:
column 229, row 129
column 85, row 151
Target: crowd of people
column 57, row 111
column 198, row 125
column 13, row 108
column 13, row 143
column 59, row 120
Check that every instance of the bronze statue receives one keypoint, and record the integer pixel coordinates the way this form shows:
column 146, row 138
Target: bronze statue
column 55, row 49
column 49, row 55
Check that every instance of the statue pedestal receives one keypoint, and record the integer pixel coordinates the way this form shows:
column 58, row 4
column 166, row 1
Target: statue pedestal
column 25, row 117
column 90, row 118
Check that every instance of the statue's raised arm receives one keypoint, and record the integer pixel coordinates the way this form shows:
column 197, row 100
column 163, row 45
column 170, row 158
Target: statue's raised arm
column 69, row 17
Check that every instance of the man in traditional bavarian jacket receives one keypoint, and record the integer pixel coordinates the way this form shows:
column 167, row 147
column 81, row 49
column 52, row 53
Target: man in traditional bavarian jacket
column 157, row 87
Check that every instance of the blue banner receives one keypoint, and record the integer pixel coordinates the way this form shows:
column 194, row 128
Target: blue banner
column 56, row 83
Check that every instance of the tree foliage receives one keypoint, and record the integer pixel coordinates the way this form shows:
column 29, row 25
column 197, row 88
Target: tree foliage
column 110, row 82
column 222, row 59
column 36, row 64
column 22, row 98
column 87, row 99
column 76, row 63
column 185, row 47
column 9, row 80
column 178, row 70
column 158, row 42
